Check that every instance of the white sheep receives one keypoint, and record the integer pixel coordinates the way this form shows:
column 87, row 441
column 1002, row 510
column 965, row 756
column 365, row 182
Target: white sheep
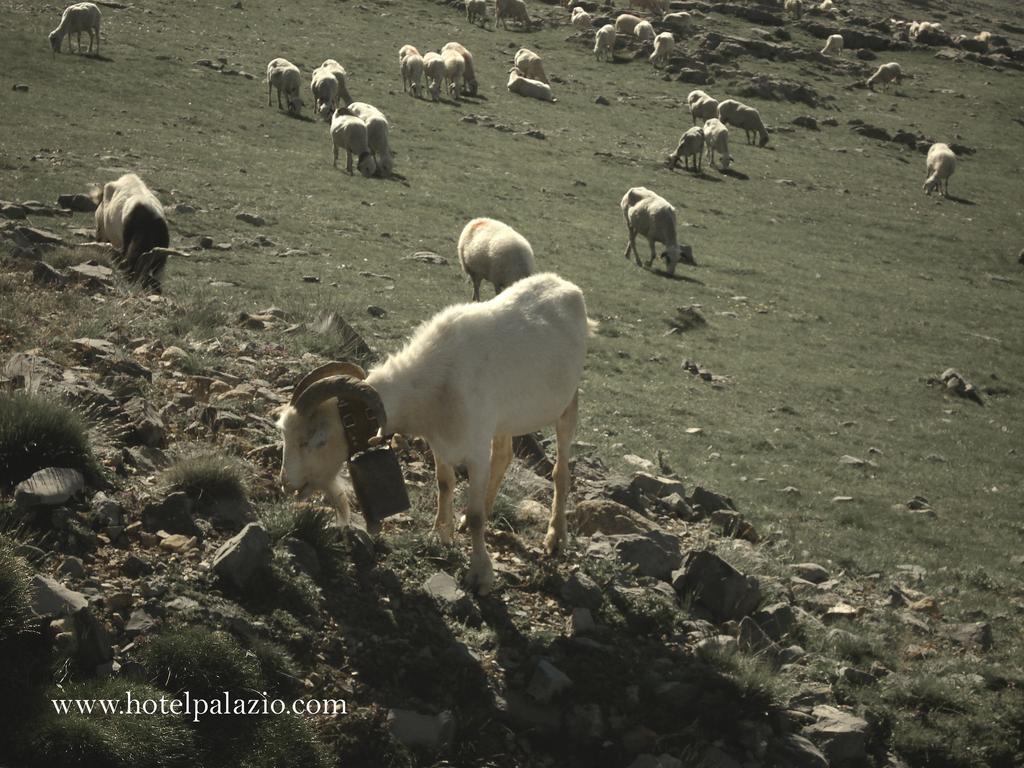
column 332, row 66
column 625, row 23
column 76, row 19
column 663, row 45
column 732, row 112
column 524, row 86
column 654, row 6
column 493, row 251
column 407, row 50
column 348, row 132
column 284, row 76
column 702, row 106
column 470, row 379
column 454, row 68
column 476, row 12
column 794, row 8
column 604, row 43
column 716, row 139
column 691, row 146
column 469, row 82
column 412, row 74
column 644, row 31
column 827, row 6
column 580, row 18
column 129, row 217
column 924, row 29
column 833, row 46
column 530, row 65
column 940, row 165
column 433, row 68
column 377, row 135
column 511, row 9
column 324, row 86
column 651, row 215
column 681, row 21
column 886, row 74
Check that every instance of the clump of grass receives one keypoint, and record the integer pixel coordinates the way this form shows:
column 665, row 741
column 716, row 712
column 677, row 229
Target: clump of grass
column 14, row 591
column 287, row 742
column 201, row 662
column 277, row 519
column 36, row 433
column 205, row 477
column 277, row 665
column 363, row 738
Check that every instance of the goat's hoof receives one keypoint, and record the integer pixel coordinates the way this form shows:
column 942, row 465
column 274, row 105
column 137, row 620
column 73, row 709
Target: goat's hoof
column 553, row 542
column 444, row 534
column 463, row 523
column 481, row 580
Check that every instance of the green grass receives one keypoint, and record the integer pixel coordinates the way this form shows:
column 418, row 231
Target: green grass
column 14, row 591
column 207, row 478
column 201, row 662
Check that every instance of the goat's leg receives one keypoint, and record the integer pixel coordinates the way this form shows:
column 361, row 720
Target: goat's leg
column 565, row 430
column 444, row 523
column 481, row 571
column 501, row 457
column 338, row 498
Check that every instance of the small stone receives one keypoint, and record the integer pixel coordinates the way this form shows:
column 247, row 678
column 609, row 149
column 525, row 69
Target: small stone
column 139, row 623
column 443, row 587
column 973, row 636
column 547, row 681
column 716, row 586
column 374, row 311
column 72, row 568
column 811, row 572
column 51, row 598
column 581, row 622
column 177, row 542
column 172, row 514
column 658, row 487
column 20, row 88
column 581, row 590
column 418, row 731
column 654, row 553
column 602, row 101
column 856, row 676
column 251, row 218
column 841, row 736
column 44, row 274
column 49, row 487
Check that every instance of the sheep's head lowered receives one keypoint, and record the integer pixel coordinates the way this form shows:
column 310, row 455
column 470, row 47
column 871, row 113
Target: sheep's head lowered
column 676, row 254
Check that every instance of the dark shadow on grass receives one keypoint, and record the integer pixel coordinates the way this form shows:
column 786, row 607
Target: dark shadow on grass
column 734, row 174
column 300, row 118
column 960, row 200
column 681, row 278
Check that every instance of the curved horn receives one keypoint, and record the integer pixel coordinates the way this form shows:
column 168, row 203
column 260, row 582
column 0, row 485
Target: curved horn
column 343, row 388
column 329, row 369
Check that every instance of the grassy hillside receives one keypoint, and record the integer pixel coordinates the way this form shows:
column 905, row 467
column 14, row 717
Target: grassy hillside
column 833, row 288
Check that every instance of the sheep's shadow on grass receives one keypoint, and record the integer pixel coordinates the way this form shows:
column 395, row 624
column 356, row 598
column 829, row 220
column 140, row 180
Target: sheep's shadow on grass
column 677, row 277
column 960, row 200
column 300, row 118
column 734, row 174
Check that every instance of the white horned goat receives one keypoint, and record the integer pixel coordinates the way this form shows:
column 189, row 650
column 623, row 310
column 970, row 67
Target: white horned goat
column 604, row 43
column 377, row 135
column 732, row 112
column 437, row 388
column 433, row 68
column 530, row 65
column 625, row 23
column 580, row 18
column 411, row 65
column 680, row 21
column 833, row 46
column 940, row 165
column 284, row 76
column 476, row 12
column 649, row 214
column 644, row 31
column 663, row 45
column 702, row 106
column 504, row 10
column 129, row 217
column 76, row 19
column 691, row 146
column 885, row 75
column 794, row 8
column 348, row 132
column 716, row 139
column 491, row 250
column 469, row 83
column 524, row 86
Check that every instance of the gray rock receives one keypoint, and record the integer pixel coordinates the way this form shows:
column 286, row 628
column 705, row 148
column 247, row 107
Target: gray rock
column 139, row 623
column 49, row 487
column 654, row 553
column 723, row 644
column 241, row 556
column 856, row 676
column 251, row 218
column 135, row 566
column 711, row 583
column 524, row 714
column 146, row 426
column 20, row 88
column 547, row 682
column 443, row 588
column 708, row 501
column 40, row 236
column 303, row 554
column 777, row 620
column 581, row 622
column 975, row 636
column 72, row 567
column 44, row 274
column 658, row 487
column 430, row 732
column 77, row 202
column 841, row 736
column 605, row 516
column 811, row 572
column 795, row 751
column 806, row 121
column 791, row 654
column 581, row 590
column 51, row 598
column 172, row 514
column 752, row 639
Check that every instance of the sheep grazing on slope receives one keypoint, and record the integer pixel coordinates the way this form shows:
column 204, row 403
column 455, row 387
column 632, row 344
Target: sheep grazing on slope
column 491, row 250
column 454, row 69
column 702, row 106
column 681, row 21
column 663, row 45
column 524, row 86
column 644, row 31
column 377, row 135
column 940, row 165
column 651, row 215
column 348, row 132
column 827, row 6
column 76, row 19
column 533, row 337
column 833, row 46
column 886, row 74
column 530, row 65
column 691, row 146
column 625, row 23
column 732, row 112
column 716, row 139
column 324, row 87
column 511, row 9
column 794, row 8
column 476, row 12
column 411, row 65
column 433, row 68
column 129, row 217
column 580, row 18
column 469, row 83
column 332, row 66
column 284, row 76
column 604, row 43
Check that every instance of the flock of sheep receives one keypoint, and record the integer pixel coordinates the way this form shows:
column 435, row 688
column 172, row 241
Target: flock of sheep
column 436, row 387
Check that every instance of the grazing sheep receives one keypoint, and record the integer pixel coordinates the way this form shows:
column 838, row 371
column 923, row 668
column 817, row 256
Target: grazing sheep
column 644, row 31
column 511, row 9
column 433, row 68
column 340, row 75
column 348, row 132
column 469, row 83
column 691, row 145
column 794, row 8
column 940, row 165
column 732, row 112
column 284, row 76
column 827, row 6
column 377, row 135
column 469, row 379
column 651, row 215
column 626, row 23
column 580, row 18
column 412, row 74
column 129, row 217
column 833, row 46
column 653, row 6
column 324, row 87
column 476, row 12
column 681, row 21
column 926, row 32
column 663, row 45
column 76, row 19
column 716, row 139
column 604, row 43
column 702, row 106
column 530, row 65
column 491, row 250
column 886, row 74
column 407, row 50
column 454, row 68
column 524, row 86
